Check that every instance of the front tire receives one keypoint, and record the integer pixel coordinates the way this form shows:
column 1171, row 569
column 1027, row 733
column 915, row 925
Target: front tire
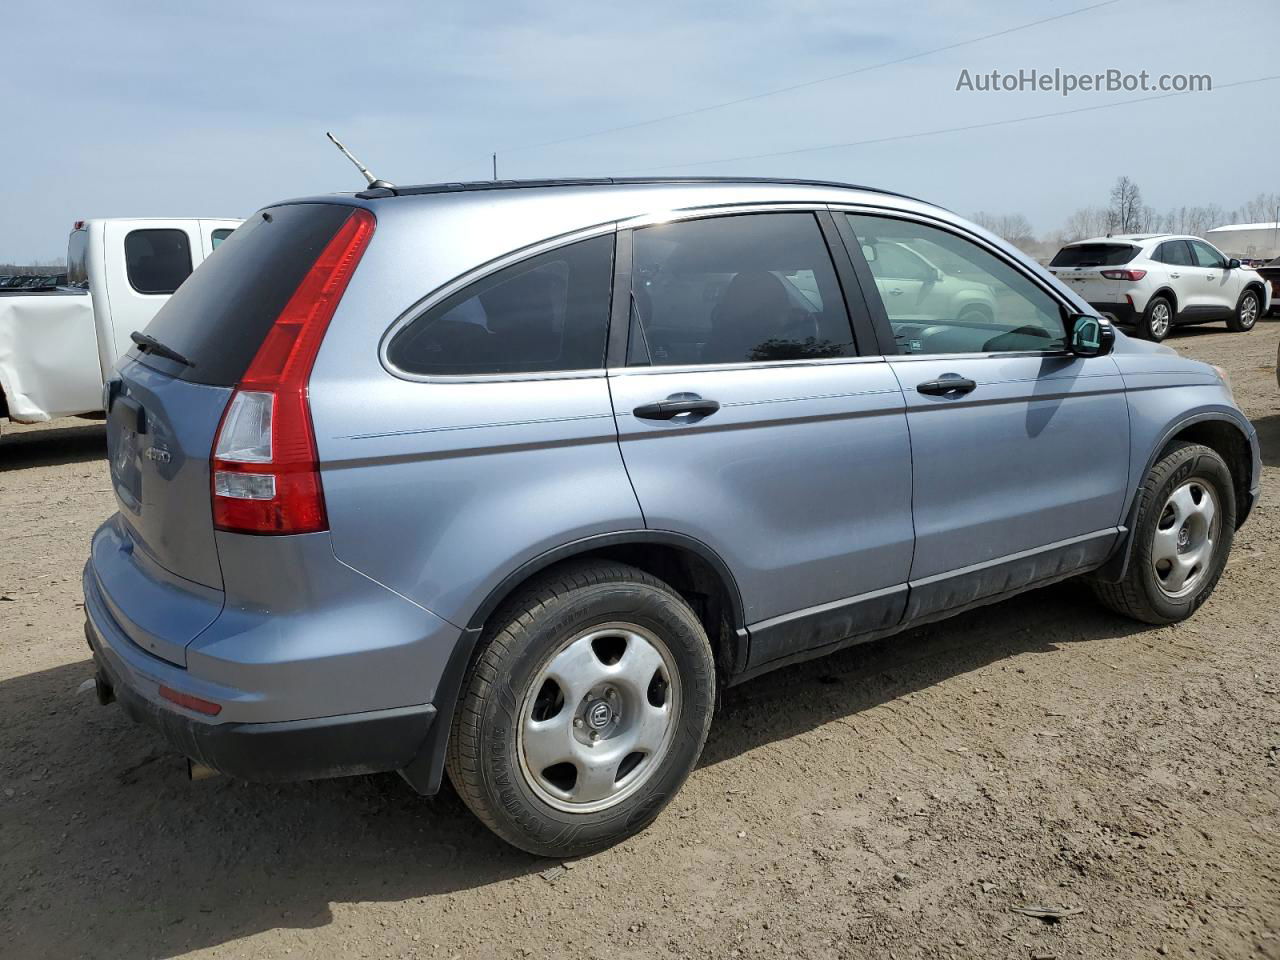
column 1247, row 312
column 585, row 710
column 1157, row 319
column 1186, row 522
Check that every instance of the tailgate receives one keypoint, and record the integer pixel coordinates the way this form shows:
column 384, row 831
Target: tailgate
column 160, row 432
column 1091, row 285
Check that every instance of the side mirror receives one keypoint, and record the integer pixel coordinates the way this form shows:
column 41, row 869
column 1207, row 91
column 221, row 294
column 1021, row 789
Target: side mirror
column 1091, row 336
column 869, row 252
column 1233, row 264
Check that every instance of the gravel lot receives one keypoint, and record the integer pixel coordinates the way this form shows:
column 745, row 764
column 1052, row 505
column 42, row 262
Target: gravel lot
column 896, row 800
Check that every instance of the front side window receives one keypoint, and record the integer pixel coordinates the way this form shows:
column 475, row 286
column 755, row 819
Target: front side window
column 945, row 294
column 1206, row 256
column 736, row 289
column 157, row 261
column 547, row 313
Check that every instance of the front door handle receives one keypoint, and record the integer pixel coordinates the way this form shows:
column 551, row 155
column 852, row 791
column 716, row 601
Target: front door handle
column 670, row 408
column 896, row 291
column 951, row 386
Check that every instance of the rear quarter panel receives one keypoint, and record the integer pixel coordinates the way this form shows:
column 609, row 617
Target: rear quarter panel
column 438, row 490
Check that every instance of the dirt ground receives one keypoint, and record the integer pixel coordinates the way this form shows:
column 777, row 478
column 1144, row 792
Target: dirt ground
column 897, row 800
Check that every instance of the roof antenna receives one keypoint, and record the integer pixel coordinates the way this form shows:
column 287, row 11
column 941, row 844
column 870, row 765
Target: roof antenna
column 372, row 180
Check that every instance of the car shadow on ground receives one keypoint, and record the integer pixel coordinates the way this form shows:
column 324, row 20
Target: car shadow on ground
column 1269, row 439
column 163, row 865
column 21, row 449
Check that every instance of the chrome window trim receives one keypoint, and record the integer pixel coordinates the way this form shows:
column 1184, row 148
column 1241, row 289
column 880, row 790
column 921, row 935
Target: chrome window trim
column 650, row 219
column 743, row 365
column 984, row 244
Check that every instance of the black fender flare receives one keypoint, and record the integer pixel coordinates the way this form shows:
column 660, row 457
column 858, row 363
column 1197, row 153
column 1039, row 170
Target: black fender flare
column 1114, row 570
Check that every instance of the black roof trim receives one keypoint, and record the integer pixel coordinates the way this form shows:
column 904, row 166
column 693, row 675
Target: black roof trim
column 475, row 185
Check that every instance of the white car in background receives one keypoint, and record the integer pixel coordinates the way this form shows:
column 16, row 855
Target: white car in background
column 1156, row 282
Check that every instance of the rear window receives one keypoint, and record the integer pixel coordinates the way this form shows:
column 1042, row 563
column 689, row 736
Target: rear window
column 157, row 261
column 77, row 257
column 219, row 317
column 1094, row 255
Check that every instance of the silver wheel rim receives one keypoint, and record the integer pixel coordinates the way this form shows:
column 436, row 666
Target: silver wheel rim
column 599, row 718
column 1248, row 312
column 1185, row 537
column 1160, row 319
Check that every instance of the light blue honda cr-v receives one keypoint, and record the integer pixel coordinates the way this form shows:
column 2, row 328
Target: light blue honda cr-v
column 509, row 478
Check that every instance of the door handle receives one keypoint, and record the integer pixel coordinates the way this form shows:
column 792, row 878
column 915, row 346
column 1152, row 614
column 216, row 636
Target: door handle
column 1174, row 276
column 896, row 291
column 669, row 409
column 947, row 386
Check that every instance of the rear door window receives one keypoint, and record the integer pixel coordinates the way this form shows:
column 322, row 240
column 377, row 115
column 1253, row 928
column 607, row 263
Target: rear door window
column 1176, row 253
column 739, row 289
column 157, row 261
column 219, row 317
column 549, row 313
column 1094, row 255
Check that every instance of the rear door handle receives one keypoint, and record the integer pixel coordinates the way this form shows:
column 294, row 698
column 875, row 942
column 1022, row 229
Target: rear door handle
column 1174, row 276
column 669, row 409
column 947, row 386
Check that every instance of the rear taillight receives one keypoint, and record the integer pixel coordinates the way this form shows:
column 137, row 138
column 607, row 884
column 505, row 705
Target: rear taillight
column 1130, row 275
column 264, row 466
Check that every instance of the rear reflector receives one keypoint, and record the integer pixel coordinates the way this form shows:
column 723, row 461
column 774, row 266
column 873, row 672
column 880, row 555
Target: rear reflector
column 207, row 707
column 1130, row 275
column 264, row 466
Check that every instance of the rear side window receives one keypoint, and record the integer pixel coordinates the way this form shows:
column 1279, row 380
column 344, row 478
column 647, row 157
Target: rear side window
column 1176, row 253
column 738, row 289
column 219, row 317
column 77, row 258
column 219, row 235
column 1094, row 255
column 157, row 261
column 548, row 313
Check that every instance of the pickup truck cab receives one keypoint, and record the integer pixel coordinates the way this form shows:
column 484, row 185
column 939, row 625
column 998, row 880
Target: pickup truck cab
column 57, row 346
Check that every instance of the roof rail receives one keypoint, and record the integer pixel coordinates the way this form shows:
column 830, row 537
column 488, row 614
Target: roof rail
column 476, row 185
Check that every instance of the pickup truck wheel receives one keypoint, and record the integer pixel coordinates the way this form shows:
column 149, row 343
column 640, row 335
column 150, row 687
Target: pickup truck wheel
column 585, row 710
column 1186, row 522
column 1247, row 312
column 1157, row 319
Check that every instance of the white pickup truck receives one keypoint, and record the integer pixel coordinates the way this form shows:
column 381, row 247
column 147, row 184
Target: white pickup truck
column 57, row 345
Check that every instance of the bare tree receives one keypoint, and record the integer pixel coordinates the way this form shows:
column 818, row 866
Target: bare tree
column 1085, row 222
column 1264, row 208
column 1124, row 215
column 1013, row 227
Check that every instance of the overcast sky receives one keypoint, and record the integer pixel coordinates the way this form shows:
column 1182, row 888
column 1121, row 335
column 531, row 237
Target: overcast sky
column 118, row 108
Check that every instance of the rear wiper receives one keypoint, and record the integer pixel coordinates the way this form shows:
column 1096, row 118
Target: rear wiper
column 149, row 344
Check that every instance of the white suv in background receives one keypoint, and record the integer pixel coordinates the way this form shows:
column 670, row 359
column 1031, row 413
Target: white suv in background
column 1161, row 281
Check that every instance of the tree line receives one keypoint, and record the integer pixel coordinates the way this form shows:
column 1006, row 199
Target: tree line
column 1126, row 212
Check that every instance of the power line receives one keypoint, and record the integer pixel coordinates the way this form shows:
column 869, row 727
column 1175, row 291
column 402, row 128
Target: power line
column 809, row 83
column 931, row 133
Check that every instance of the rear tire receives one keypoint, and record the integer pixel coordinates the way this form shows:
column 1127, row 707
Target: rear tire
column 1171, row 574
column 585, row 710
column 1247, row 312
column 1157, row 319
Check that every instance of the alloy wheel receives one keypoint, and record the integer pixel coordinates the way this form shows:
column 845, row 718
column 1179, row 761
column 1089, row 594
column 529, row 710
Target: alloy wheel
column 1160, row 320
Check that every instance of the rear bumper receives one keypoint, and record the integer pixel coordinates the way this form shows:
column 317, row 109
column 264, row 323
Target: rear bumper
column 1122, row 313
column 319, row 671
column 372, row 742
